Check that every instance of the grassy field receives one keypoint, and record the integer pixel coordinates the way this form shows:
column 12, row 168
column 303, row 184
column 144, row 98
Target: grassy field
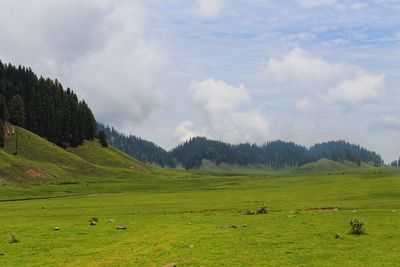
column 193, row 219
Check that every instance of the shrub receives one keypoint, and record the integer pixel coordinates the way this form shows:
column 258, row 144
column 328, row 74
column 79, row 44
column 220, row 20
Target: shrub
column 94, row 219
column 263, row 210
column 14, row 239
column 339, row 235
column 357, row 226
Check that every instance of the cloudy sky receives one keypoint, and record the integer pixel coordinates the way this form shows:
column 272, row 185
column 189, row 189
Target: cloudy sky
column 255, row 70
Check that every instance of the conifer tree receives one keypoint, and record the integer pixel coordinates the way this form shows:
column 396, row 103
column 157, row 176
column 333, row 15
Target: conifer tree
column 3, row 109
column 17, row 111
column 103, row 139
column 1, row 133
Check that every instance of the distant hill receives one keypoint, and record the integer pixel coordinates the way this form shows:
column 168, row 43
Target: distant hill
column 331, row 166
column 276, row 154
column 39, row 159
column 139, row 148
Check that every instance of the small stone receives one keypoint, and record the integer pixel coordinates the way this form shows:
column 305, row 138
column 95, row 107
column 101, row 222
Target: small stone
column 191, row 246
column 354, row 211
column 92, row 223
column 251, row 212
column 170, row 265
column 121, row 227
column 190, row 223
column 56, row 229
column 111, row 220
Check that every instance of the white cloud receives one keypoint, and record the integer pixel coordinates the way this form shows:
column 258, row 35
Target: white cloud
column 316, row 3
column 208, row 8
column 224, row 115
column 98, row 48
column 337, row 83
column 300, row 69
column 217, row 96
column 185, row 131
column 363, row 89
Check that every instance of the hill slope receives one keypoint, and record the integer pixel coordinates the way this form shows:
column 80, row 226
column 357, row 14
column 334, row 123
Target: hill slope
column 38, row 158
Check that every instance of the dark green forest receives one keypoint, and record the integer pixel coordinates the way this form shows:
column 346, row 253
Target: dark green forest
column 275, row 154
column 137, row 147
column 44, row 107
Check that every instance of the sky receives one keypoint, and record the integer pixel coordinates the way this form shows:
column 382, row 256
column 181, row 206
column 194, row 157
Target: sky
column 306, row 71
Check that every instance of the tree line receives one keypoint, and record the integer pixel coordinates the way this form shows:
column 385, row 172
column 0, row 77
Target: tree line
column 44, row 107
column 275, row 154
column 135, row 146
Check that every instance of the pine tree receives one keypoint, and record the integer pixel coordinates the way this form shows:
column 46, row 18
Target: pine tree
column 1, row 133
column 102, row 139
column 17, row 111
column 3, row 109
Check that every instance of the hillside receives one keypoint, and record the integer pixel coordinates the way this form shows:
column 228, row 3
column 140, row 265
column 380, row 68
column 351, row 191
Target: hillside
column 139, row 148
column 331, row 166
column 275, row 154
column 40, row 159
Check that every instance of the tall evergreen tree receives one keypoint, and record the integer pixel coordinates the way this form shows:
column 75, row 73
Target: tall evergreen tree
column 102, row 138
column 2, row 133
column 17, row 111
column 3, row 109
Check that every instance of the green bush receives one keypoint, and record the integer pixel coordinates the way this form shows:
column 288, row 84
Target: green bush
column 94, row 219
column 263, row 210
column 14, row 239
column 357, row 226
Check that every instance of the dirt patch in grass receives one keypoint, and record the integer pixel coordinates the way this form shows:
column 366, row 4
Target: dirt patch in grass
column 36, row 174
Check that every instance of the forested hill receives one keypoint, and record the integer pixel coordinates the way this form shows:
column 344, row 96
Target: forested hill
column 276, row 154
column 143, row 150
column 43, row 106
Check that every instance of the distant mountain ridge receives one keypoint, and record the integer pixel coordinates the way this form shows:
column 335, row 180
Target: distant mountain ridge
column 275, row 154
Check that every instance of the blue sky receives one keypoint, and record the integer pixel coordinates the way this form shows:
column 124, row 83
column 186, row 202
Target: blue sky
column 239, row 71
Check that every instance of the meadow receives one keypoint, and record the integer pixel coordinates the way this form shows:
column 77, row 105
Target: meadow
column 190, row 218
column 199, row 220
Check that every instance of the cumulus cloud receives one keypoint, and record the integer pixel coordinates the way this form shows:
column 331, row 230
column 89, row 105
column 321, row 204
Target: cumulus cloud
column 336, row 83
column 98, row 48
column 225, row 116
column 208, row 8
column 217, row 96
column 300, row 69
column 185, row 131
column 361, row 90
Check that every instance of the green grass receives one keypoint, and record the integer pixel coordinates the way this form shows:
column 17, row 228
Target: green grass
column 186, row 217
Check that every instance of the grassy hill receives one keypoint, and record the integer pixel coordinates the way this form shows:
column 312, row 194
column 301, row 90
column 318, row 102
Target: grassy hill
column 37, row 158
column 330, row 166
column 323, row 166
